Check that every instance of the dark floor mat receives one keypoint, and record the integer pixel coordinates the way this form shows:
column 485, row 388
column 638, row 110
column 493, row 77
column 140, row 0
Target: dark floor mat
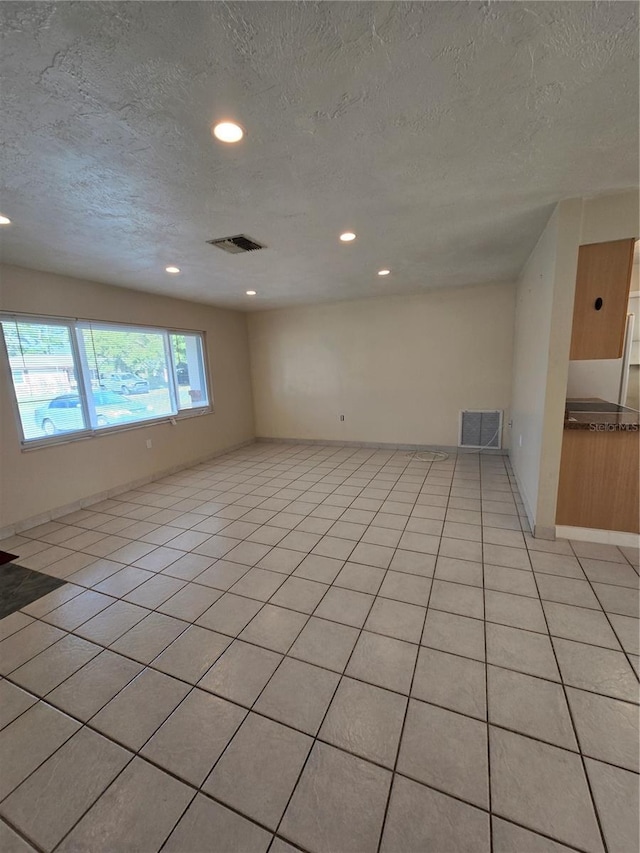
column 20, row 586
column 5, row 557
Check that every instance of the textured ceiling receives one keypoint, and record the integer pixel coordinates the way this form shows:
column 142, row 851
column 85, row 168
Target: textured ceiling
column 441, row 132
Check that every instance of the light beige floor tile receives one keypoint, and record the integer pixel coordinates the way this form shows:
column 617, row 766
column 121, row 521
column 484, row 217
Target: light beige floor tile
column 53, row 665
column 543, row 787
column 29, row 740
column 518, row 611
column 11, row 842
column 138, row 811
column 607, row 728
column 112, row 622
column 13, row 702
column 446, row 751
column 450, row 632
column 324, row 643
column 25, row 644
column 149, row 637
column 508, row 837
column 82, row 768
column 457, row 598
column 532, row 706
column 140, row 708
column 365, row 720
column 90, row 688
column 454, row 682
column 16, row 621
column 420, row 818
column 593, row 668
column 274, row 628
column 241, row 673
column 383, row 661
column 346, row 606
column 616, row 795
column 298, row 695
column 192, row 739
column 191, row 655
column 352, row 815
column 80, row 609
column 259, row 769
column 206, row 822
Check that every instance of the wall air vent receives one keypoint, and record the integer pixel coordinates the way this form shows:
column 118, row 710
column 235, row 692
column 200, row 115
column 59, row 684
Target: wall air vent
column 236, row 245
column 480, row 429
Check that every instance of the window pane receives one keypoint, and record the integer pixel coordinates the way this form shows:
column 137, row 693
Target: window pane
column 129, row 375
column 191, row 378
column 44, row 376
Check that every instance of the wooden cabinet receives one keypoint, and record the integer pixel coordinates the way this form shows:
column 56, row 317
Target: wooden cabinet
column 602, row 294
column 599, row 480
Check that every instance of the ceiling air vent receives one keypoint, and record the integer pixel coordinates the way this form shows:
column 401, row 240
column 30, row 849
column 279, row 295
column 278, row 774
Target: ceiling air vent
column 236, row 245
column 480, row 429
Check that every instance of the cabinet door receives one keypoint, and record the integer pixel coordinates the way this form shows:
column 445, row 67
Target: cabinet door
column 602, row 294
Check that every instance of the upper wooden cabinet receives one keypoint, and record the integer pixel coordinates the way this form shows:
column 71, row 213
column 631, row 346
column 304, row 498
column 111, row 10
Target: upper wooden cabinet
column 602, row 295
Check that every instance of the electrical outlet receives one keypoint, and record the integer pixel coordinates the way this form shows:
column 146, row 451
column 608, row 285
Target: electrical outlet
column 341, row 417
column 149, row 444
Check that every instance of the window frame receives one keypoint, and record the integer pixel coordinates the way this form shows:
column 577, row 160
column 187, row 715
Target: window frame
column 83, row 372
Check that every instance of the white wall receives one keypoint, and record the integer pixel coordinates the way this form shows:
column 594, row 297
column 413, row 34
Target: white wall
column 541, row 324
column 597, row 378
column 37, row 482
column 398, row 368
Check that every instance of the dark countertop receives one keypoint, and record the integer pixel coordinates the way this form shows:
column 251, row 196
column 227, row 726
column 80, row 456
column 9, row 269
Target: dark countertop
column 616, row 419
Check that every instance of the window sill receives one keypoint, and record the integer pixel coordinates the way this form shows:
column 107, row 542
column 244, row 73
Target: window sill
column 53, row 441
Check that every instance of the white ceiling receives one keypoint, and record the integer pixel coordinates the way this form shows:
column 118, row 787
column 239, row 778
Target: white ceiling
column 441, row 132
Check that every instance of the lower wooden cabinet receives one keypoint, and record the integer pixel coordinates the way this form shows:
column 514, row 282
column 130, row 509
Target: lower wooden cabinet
column 599, row 474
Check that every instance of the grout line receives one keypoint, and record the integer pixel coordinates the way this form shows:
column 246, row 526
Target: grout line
column 406, row 708
column 486, row 680
column 375, row 597
column 611, row 625
column 575, row 733
column 329, row 705
column 232, row 638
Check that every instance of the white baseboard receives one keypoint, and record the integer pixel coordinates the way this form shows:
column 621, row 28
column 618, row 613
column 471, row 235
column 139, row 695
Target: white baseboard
column 379, row 445
column 83, row 503
column 603, row 537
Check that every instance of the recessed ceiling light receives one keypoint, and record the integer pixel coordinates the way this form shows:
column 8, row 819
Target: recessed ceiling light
column 4, row 220
column 251, row 293
column 228, row 131
column 347, row 237
column 172, row 270
column 384, row 272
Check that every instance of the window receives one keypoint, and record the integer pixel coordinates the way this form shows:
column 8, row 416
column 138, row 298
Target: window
column 73, row 377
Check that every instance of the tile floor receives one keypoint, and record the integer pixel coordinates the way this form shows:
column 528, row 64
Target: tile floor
column 326, row 649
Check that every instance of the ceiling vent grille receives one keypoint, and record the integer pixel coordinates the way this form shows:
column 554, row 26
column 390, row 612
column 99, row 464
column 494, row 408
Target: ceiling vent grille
column 236, row 245
column 480, row 429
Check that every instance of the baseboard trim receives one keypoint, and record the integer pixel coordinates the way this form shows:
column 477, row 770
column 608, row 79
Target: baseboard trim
column 83, row 503
column 603, row 537
column 378, row 445
column 540, row 532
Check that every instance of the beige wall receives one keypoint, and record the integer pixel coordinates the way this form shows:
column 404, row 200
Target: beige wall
column 36, row 482
column 398, row 368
